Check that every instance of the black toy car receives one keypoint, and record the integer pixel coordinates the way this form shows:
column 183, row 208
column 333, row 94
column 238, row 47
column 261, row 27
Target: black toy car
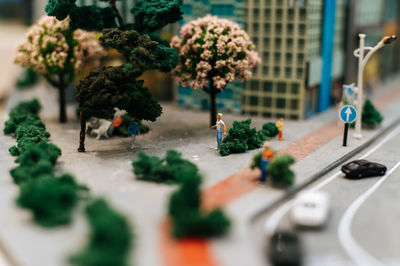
column 363, row 168
column 285, row 249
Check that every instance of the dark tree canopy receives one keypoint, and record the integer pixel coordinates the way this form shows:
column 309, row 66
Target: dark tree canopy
column 152, row 15
column 110, row 87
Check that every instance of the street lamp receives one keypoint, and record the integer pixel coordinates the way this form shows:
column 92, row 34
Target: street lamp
column 362, row 61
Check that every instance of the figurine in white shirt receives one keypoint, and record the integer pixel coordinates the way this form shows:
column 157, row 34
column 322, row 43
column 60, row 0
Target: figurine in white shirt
column 219, row 126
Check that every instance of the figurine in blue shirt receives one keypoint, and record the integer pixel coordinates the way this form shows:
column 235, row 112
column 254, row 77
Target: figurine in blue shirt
column 133, row 131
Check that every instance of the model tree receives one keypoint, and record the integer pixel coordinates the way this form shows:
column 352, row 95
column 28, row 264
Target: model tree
column 58, row 53
column 212, row 53
column 118, row 86
column 370, row 116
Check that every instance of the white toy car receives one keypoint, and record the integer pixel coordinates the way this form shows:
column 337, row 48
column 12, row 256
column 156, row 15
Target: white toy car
column 310, row 209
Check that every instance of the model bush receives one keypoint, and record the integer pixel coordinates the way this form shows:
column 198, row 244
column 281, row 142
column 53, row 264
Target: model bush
column 241, row 137
column 279, row 171
column 270, row 129
column 110, row 237
column 26, row 108
column 58, row 53
column 50, row 199
column 128, row 120
column 255, row 162
column 28, row 79
column 212, row 53
column 118, row 86
column 188, row 218
column 32, row 120
column 172, row 169
column 370, row 116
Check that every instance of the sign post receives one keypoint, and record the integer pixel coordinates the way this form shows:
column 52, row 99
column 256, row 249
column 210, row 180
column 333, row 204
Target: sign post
column 347, row 114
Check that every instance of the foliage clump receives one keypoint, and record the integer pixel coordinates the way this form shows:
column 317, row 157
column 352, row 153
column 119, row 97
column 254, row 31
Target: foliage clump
column 370, row 116
column 172, row 169
column 50, row 199
column 241, row 137
column 110, row 237
column 279, row 172
column 189, row 220
column 270, row 129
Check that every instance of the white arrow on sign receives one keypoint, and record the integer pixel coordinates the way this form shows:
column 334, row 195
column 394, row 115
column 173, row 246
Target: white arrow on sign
column 348, row 112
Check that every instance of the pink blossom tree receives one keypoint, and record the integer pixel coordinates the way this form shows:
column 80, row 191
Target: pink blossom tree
column 57, row 53
column 212, row 53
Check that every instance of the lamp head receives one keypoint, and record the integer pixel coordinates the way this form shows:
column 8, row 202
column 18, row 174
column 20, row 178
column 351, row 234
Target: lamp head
column 389, row 39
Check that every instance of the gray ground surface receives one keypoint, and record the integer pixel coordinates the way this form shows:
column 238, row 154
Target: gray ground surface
column 106, row 169
column 374, row 226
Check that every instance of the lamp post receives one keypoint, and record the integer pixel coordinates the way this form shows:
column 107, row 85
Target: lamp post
column 362, row 61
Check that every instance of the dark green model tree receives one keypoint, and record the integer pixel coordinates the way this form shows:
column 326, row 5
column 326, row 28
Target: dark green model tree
column 370, row 116
column 118, row 86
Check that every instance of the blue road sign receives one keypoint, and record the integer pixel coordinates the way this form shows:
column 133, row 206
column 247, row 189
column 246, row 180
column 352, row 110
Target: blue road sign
column 348, row 114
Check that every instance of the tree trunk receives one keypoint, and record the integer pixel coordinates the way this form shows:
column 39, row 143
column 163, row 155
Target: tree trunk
column 82, row 133
column 62, row 104
column 213, row 104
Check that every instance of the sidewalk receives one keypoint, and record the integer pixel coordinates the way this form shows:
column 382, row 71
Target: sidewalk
column 106, row 168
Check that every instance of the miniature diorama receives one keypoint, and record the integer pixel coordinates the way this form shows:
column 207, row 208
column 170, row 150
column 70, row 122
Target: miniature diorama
column 113, row 166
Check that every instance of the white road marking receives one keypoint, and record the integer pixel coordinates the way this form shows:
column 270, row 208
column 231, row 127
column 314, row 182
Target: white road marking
column 272, row 222
column 352, row 248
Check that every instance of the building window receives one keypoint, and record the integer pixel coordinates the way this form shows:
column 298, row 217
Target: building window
column 255, row 28
column 280, row 103
column 278, row 28
column 277, row 71
column 267, row 101
column 302, row 29
column 289, row 43
column 265, row 70
column 279, row 13
column 267, row 27
column 289, row 58
column 281, row 87
column 267, row 2
column 289, row 28
column 267, row 115
column 303, row 14
column 294, row 104
column 268, row 86
column 300, row 59
column 266, row 43
column 255, row 41
column 295, row 88
column 265, row 57
column 277, row 58
column 256, row 13
column 267, row 14
column 253, row 100
column 288, row 72
column 301, row 43
column 290, row 14
column 254, row 85
column 299, row 72
column 278, row 42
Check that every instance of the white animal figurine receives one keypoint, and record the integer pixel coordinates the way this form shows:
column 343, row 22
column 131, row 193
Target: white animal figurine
column 118, row 112
column 102, row 130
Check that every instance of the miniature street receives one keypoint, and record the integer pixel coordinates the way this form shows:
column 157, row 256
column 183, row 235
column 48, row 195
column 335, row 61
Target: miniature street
column 110, row 174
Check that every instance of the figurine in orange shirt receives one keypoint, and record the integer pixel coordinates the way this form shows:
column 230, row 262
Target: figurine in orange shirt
column 280, row 125
column 267, row 155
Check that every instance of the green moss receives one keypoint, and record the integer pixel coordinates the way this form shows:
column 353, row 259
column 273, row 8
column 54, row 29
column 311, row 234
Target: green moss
column 279, row 172
column 50, row 199
column 110, row 237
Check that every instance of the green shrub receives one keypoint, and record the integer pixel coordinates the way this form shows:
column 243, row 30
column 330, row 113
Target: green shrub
column 279, row 172
column 32, row 133
column 270, row 129
column 29, row 108
column 256, row 160
column 27, row 119
column 241, row 138
column 168, row 170
column 370, row 116
column 39, row 151
column 188, row 219
column 50, row 199
column 110, row 237
column 22, row 174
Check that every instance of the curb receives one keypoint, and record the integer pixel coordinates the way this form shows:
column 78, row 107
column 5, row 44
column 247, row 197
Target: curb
column 319, row 174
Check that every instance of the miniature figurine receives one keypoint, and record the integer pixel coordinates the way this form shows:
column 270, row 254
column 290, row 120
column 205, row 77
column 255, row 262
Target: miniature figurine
column 267, row 155
column 219, row 130
column 280, row 125
column 133, row 131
